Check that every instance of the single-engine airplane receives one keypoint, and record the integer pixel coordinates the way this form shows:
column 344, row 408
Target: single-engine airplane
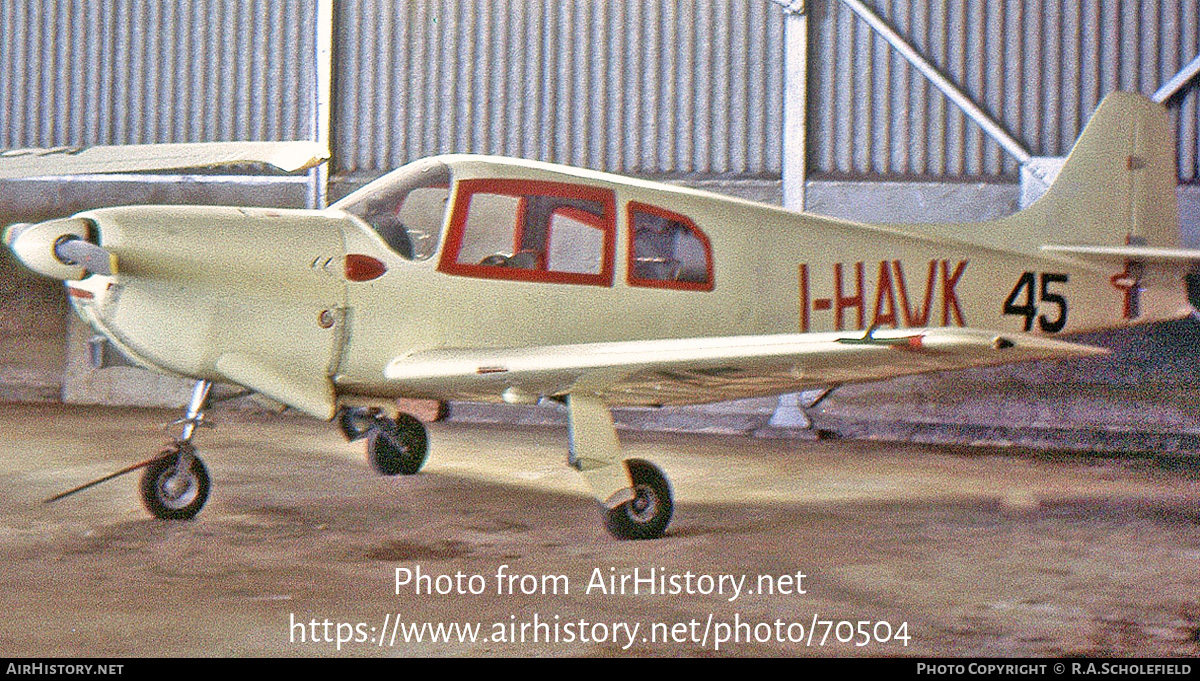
column 482, row 278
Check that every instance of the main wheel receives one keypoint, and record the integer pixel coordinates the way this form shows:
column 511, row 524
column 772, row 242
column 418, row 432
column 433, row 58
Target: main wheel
column 397, row 447
column 173, row 494
column 645, row 516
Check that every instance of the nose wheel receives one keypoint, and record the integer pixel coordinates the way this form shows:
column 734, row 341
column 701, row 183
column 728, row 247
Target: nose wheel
column 175, row 485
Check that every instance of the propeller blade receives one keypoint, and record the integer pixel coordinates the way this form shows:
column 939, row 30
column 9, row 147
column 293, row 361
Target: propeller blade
column 87, row 255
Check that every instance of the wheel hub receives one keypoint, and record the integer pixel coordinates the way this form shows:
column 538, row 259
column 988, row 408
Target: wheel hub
column 177, row 489
column 644, row 504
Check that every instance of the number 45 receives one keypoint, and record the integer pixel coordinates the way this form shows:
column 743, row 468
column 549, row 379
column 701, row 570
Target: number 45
column 1028, row 283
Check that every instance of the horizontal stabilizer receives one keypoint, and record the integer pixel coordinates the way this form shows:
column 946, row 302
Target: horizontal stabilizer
column 140, row 158
column 1120, row 253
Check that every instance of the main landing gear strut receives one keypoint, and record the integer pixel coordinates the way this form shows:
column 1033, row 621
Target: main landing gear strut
column 634, row 495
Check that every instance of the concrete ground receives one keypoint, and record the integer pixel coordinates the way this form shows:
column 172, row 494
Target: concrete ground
column 904, row 549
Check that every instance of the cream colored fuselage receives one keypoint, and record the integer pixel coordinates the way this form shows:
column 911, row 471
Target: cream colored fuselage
column 262, row 296
column 775, row 272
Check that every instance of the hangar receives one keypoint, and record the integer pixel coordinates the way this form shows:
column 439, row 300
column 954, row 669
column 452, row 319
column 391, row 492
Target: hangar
column 873, row 111
column 876, row 110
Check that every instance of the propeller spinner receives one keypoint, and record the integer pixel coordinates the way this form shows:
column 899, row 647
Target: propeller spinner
column 59, row 249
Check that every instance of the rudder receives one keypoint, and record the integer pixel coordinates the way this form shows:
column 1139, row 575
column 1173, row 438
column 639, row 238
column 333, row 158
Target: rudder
column 1117, row 186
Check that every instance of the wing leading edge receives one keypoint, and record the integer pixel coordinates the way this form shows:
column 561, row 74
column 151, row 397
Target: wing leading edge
column 700, row 370
column 134, row 158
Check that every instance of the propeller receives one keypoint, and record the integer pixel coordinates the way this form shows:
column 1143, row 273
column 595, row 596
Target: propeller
column 72, row 250
column 64, row 249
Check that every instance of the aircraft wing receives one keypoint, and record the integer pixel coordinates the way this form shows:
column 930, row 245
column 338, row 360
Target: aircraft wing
column 699, row 370
column 133, row 158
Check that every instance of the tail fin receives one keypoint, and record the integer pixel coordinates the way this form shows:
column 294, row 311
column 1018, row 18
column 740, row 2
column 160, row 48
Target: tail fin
column 1117, row 186
column 1114, row 202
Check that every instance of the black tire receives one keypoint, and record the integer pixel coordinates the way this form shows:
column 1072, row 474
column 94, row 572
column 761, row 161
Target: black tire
column 647, row 515
column 170, row 498
column 397, row 447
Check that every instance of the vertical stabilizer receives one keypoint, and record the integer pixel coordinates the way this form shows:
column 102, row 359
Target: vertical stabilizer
column 1117, row 186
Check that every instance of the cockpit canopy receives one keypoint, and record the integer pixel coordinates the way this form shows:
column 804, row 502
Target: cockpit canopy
column 536, row 228
column 406, row 207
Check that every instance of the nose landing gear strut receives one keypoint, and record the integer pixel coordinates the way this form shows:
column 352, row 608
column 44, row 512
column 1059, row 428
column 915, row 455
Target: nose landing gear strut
column 175, row 483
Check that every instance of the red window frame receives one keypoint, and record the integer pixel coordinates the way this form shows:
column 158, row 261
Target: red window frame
column 522, row 188
column 635, row 207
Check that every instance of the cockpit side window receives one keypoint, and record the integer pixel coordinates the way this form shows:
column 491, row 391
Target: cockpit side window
column 667, row 250
column 530, row 230
column 407, row 208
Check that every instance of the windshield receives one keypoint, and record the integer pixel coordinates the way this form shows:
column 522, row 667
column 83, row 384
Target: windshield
column 405, row 207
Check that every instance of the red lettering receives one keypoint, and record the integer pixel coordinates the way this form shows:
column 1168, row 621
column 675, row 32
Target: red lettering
column 919, row 317
column 844, row 302
column 950, row 305
column 883, row 286
column 893, row 305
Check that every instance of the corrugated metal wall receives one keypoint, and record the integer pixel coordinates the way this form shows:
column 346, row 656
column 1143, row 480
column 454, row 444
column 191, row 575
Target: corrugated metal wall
column 682, row 86
column 687, row 87
column 78, row 72
column 1039, row 67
